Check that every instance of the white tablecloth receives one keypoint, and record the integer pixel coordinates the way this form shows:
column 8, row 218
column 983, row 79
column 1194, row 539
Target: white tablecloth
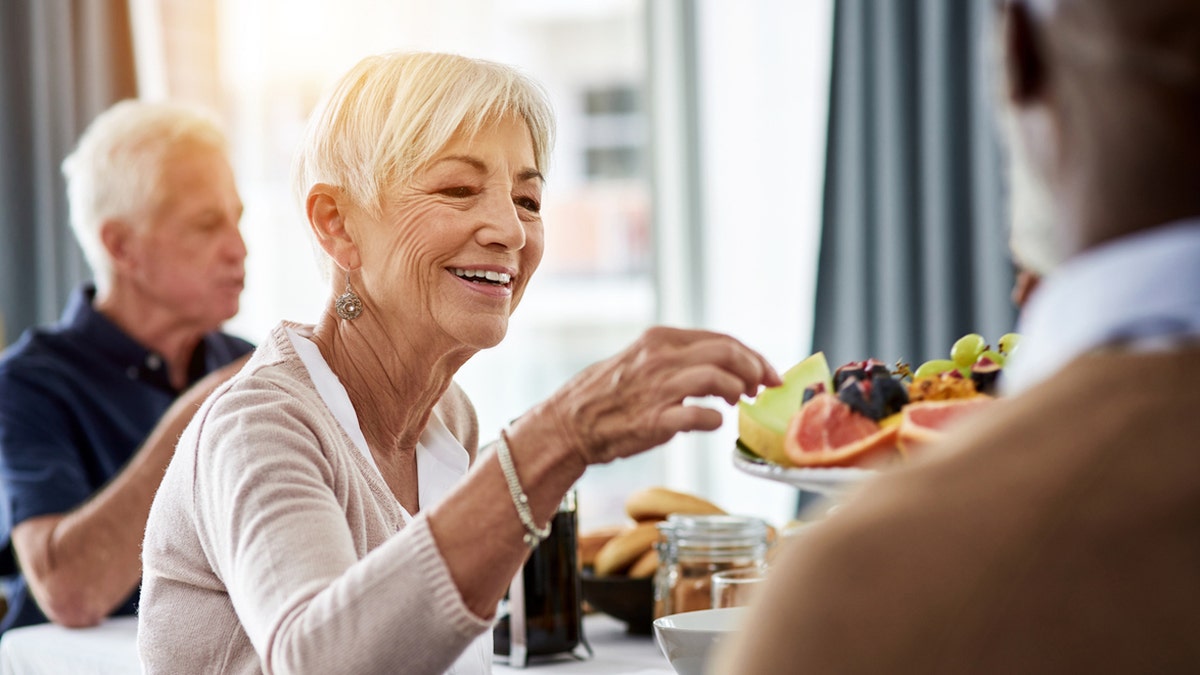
column 616, row 653
column 52, row 650
column 111, row 649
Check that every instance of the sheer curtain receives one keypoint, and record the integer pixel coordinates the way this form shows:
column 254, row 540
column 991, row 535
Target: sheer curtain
column 61, row 63
column 913, row 251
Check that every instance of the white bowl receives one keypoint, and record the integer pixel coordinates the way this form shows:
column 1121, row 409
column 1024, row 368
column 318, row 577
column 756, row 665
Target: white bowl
column 686, row 639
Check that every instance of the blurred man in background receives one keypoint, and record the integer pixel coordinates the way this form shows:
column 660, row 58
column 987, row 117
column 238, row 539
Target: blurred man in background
column 1059, row 532
column 91, row 407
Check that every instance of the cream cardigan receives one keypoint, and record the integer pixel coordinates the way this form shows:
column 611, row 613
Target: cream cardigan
column 273, row 546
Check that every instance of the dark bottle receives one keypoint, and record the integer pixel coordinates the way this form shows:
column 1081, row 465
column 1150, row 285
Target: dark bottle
column 547, row 589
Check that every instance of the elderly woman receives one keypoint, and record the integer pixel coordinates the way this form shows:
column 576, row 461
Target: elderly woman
column 326, row 510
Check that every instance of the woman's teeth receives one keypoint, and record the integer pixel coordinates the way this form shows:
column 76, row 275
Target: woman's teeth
column 498, row 278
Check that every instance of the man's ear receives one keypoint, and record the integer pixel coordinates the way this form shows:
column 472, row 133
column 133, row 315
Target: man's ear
column 116, row 236
column 1024, row 59
column 327, row 207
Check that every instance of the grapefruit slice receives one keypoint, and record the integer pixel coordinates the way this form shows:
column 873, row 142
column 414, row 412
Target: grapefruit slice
column 763, row 421
column 827, row 433
column 925, row 421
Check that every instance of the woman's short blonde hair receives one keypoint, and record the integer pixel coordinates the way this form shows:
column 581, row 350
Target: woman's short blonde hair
column 391, row 114
column 116, row 168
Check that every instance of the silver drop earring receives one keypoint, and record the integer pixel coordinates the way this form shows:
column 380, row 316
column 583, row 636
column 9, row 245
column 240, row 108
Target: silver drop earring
column 348, row 305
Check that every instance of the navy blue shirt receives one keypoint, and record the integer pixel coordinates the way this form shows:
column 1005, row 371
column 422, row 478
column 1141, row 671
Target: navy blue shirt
column 77, row 399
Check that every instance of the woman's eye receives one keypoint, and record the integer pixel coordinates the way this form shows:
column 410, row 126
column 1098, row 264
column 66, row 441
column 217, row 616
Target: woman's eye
column 458, row 192
column 528, row 204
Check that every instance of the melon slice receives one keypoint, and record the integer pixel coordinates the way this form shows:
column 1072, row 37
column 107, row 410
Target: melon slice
column 828, row 433
column 763, row 421
column 925, row 421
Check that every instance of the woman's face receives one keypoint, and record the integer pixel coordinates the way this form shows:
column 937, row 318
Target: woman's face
column 456, row 247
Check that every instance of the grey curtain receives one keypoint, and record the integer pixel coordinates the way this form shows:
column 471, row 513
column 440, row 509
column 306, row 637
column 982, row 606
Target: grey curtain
column 913, row 250
column 61, row 63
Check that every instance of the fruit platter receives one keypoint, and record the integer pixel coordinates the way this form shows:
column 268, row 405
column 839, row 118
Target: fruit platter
column 826, row 430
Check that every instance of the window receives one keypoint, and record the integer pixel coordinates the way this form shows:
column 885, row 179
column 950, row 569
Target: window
column 615, row 133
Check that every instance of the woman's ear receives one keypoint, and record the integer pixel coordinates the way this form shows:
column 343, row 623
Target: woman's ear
column 327, row 207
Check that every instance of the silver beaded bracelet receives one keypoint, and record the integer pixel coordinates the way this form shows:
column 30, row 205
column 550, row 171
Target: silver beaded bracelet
column 533, row 534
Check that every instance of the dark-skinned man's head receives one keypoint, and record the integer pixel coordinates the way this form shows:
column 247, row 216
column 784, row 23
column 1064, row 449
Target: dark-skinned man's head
column 1102, row 105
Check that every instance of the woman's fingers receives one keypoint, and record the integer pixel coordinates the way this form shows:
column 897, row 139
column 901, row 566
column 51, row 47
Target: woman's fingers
column 673, row 348
column 734, row 358
column 702, row 380
column 690, row 418
column 636, row 399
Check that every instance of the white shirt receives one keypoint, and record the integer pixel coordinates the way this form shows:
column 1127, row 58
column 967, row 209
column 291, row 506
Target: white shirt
column 441, row 462
column 1142, row 290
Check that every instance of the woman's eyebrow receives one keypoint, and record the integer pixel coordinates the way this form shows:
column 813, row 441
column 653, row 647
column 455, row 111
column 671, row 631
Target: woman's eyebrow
column 465, row 159
column 525, row 175
column 528, row 175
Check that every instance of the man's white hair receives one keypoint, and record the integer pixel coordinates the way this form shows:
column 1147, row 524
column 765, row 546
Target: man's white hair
column 116, row 168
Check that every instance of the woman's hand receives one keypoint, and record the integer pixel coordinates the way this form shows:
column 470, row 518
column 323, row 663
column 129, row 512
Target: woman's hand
column 637, row 399
column 631, row 402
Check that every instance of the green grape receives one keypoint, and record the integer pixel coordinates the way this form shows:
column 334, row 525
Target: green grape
column 934, row 367
column 966, row 349
column 996, row 357
column 1008, row 343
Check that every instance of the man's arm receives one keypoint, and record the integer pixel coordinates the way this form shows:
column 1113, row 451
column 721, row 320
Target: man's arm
column 81, row 565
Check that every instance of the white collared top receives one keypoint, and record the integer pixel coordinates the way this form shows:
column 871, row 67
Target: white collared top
column 441, row 462
column 1142, row 291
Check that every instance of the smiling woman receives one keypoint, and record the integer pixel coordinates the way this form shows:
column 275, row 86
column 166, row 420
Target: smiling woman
column 474, row 208
column 421, row 177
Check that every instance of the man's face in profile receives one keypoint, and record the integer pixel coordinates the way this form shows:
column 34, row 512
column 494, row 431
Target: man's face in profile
column 190, row 252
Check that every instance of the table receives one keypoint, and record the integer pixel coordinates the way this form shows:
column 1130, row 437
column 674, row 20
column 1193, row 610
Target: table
column 111, row 649
column 48, row 649
column 616, row 653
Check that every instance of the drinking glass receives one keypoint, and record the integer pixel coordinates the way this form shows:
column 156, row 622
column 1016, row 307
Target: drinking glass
column 736, row 588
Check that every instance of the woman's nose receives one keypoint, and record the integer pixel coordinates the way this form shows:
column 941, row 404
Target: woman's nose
column 501, row 224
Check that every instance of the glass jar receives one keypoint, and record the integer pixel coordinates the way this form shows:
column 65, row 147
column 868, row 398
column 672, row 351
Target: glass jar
column 692, row 548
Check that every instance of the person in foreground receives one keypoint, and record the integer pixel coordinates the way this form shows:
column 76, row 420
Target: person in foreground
column 91, row 407
column 1060, row 533
column 326, row 511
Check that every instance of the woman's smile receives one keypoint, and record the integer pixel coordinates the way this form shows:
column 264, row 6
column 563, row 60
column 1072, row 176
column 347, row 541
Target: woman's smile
column 485, row 278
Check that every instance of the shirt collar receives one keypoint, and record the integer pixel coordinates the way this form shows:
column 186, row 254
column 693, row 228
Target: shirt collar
column 138, row 363
column 81, row 316
column 1141, row 289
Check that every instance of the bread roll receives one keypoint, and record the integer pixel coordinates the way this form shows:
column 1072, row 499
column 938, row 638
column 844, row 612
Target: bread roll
column 645, row 566
column 591, row 541
column 622, row 550
column 657, row 503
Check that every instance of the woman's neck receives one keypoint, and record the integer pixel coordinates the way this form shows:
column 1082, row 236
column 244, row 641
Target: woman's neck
column 393, row 379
